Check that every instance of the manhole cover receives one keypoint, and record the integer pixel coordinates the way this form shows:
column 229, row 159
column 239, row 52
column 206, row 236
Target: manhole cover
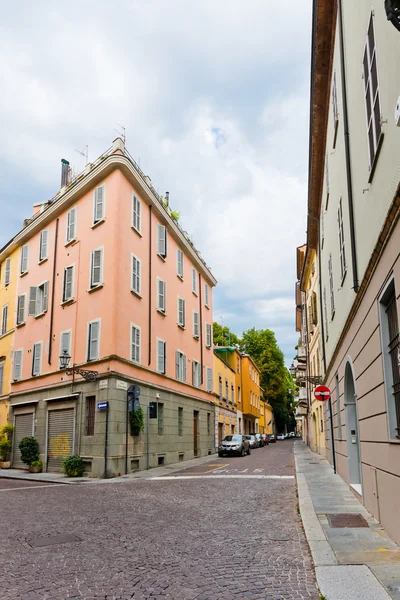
column 346, row 520
column 53, row 539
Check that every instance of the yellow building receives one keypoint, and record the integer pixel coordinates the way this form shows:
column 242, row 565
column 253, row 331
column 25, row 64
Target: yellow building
column 225, row 396
column 9, row 273
column 269, row 422
column 251, row 394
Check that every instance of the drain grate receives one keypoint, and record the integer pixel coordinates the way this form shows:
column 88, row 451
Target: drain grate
column 64, row 538
column 346, row 520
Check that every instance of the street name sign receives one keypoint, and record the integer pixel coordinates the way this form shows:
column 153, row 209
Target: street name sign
column 322, row 393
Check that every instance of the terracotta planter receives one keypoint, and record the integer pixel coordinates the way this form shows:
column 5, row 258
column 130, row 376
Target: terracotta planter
column 5, row 464
column 35, row 469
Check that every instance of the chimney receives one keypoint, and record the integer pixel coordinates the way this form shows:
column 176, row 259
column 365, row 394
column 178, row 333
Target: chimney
column 64, row 172
column 167, row 198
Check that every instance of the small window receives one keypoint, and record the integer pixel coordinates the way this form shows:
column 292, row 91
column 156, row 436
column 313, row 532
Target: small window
column 90, row 414
column 161, row 240
column 220, row 387
column 196, row 373
column 21, row 309
column 24, row 259
column 161, row 295
column 17, row 365
column 226, row 390
column 68, row 284
column 1, row 377
column 331, row 288
column 196, row 327
column 232, row 394
column 37, row 359
column 44, row 245
column 99, row 204
column 208, row 423
column 180, row 420
column 314, row 309
column 7, row 272
column 160, row 417
column 136, row 213
column 161, row 359
column 208, row 335
column 206, row 298
column 65, row 343
column 96, row 268
column 93, row 340
column 238, row 365
column 71, row 225
column 209, row 380
column 372, row 93
column 180, row 366
column 4, row 318
column 335, row 109
column 181, row 312
column 38, row 299
column 136, row 275
column 239, row 395
column 342, row 252
column 194, row 281
column 179, row 263
column 135, row 344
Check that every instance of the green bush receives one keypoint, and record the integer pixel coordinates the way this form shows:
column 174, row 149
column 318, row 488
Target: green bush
column 5, row 449
column 7, row 430
column 73, row 466
column 29, row 447
column 136, row 419
column 37, row 463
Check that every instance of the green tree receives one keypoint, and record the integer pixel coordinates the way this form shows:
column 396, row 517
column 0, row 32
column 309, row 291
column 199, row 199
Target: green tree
column 223, row 336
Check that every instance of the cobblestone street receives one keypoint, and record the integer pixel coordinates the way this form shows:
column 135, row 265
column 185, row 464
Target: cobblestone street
column 235, row 537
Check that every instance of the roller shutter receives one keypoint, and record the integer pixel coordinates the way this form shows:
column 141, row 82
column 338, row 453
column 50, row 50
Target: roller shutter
column 23, row 428
column 60, row 437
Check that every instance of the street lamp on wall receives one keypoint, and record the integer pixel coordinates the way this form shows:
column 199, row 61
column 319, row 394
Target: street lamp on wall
column 85, row 373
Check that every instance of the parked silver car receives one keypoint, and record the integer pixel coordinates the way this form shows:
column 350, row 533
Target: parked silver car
column 234, row 444
column 253, row 441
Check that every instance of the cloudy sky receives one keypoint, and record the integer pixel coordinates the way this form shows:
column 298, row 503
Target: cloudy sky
column 214, row 98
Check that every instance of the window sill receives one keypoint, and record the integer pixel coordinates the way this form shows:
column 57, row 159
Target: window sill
column 181, row 326
column 70, row 242
column 179, row 276
column 375, row 161
column 3, row 335
column 43, row 260
column 97, row 223
column 136, row 230
column 394, row 441
column 40, row 315
column 194, row 293
column 208, row 347
column 196, row 337
column 207, row 306
column 18, row 325
column 67, row 302
column 95, row 288
column 23, row 274
column 343, row 278
column 137, row 294
column 161, row 312
column 163, row 258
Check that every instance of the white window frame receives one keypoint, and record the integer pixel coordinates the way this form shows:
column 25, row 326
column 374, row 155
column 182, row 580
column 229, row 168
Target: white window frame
column 209, row 379
column 93, row 286
column 96, row 220
column 41, row 299
column 206, row 295
column 161, row 241
column 179, row 263
column 71, row 296
column 68, row 237
column 331, row 286
column 196, row 324
column 69, row 332
column 20, row 321
column 164, row 356
column 35, row 351
column 7, row 272
column 342, row 248
column 371, row 124
column 136, row 213
column 136, row 279
column 89, row 358
column 16, row 352
column 181, row 322
column 44, row 254
column 208, row 335
column 194, row 281
column 4, row 319
column 180, row 364
column 161, row 307
column 136, row 349
column 196, row 373
column 23, row 270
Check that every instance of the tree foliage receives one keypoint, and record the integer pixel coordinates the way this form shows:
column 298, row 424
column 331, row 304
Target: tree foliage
column 223, row 336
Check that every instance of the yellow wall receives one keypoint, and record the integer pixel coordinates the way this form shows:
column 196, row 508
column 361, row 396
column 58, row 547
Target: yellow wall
column 221, row 369
column 268, row 416
column 8, row 295
column 251, row 388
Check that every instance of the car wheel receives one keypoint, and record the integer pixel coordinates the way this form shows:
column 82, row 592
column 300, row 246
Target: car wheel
column 243, row 453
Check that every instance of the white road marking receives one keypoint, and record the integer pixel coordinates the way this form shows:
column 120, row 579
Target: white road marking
column 33, row 487
column 171, row 477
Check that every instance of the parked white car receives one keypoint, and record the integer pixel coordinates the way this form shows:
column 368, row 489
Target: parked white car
column 280, row 436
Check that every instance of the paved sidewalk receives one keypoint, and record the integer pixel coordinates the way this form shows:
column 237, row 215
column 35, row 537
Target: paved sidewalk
column 358, row 563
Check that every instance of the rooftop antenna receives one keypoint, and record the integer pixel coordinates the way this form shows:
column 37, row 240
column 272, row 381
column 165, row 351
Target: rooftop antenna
column 85, row 153
column 121, row 131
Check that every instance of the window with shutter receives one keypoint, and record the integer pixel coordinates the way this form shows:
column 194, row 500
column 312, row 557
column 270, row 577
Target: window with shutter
column 37, row 359
column 38, row 299
column 4, row 315
column 94, row 340
column 196, row 328
column 194, row 281
column 65, row 343
column 331, row 288
column 44, row 239
column 24, row 259
column 136, row 213
column 135, row 344
column 17, row 375
column 7, row 272
column 21, row 309
column 206, row 299
column 209, row 380
column 208, row 335
column 314, row 308
column 161, row 300
column 181, row 312
column 220, row 387
column 342, row 251
column 68, row 284
column 96, row 269
column 161, row 362
column 161, row 240
column 371, row 93
column 232, row 394
column 32, row 301
column 136, row 274
column 226, row 390
column 196, row 380
column 326, row 314
column 71, row 225
column 1, row 377
column 90, row 414
column 179, row 263
column 99, row 204
column 180, row 366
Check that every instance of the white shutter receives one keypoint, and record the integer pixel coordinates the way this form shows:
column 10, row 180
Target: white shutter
column 178, row 365
column 68, row 283
column 160, row 356
column 65, row 345
column 206, row 294
column 195, row 324
column 96, row 268
column 194, row 281
column 4, row 319
column 161, row 295
column 45, row 296
column 135, row 353
column 181, row 312
column 24, row 258
column 99, row 204
column 208, row 335
column 136, row 213
column 7, row 274
column 209, row 380
column 37, row 358
column 21, row 309
column 32, row 301
column 71, row 225
column 184, row 368
column 161, row 240
column 44, row 237
column 17, row 365
column 135, row 274
column 179, row 263
column 93, row 350
column 194, row 372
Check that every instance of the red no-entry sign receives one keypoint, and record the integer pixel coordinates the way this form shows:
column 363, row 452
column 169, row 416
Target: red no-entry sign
column 322, row 393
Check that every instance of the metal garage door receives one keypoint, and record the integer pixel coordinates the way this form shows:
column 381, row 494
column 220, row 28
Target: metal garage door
column 60, row 437
column 23, row 428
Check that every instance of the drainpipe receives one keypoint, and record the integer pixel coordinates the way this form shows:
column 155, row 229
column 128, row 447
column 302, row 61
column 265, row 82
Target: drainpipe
column 52, row 294
column 347, row 151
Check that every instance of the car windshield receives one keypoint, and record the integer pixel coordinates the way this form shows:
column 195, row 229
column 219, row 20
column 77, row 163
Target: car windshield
column 233, row 438
column 249, row 437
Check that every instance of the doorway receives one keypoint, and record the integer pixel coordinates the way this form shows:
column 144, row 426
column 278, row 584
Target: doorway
column 353, row 440
column 196, row 433
column 220, row 433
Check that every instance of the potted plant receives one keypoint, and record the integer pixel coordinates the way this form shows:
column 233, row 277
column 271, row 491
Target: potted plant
column 6, row 434
column 73, row 466
column 29, row 447
column 175, row 214
column 136, row 418
column 36, row 466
